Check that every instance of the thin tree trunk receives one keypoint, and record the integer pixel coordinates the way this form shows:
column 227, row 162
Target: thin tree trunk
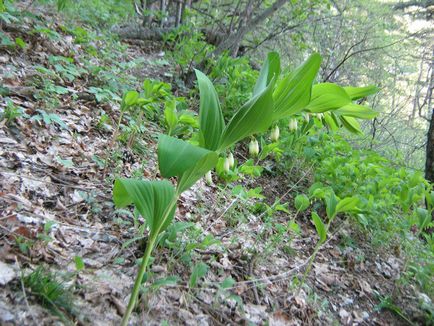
column 429, row 166
column 233, row 41
column 180, row 5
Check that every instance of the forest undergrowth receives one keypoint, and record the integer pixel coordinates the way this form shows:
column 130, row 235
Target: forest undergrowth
column 294, row 226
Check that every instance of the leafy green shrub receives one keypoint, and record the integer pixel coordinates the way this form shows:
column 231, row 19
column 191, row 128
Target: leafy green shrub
column 271, row 100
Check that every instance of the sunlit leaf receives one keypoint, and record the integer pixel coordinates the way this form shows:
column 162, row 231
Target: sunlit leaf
column 347, row 204
column 356, row 111
column 199, row 271
column 210, row 114
column 301, row 202
column 320, row 227
column 293, row 92
column 269, row 70
column 356, row 93
column 151, row 198
column 351, row 124
column 254, row 117
column 130, row 98
column 331, row 204
column 327, row 96
column 175, row 156
column 190, row 176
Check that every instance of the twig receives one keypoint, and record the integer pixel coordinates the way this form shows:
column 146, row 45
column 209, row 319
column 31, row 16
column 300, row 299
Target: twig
column 224, row 212
column 23, row 288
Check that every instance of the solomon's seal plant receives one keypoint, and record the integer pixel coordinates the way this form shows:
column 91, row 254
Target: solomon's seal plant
column 272, row 99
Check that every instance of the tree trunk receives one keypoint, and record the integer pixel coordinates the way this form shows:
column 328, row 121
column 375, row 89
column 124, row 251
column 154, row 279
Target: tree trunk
column 429, row 165
column 233, row 41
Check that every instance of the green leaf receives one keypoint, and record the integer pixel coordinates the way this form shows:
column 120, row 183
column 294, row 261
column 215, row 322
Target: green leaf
column 151, row 198
column 199, row 271
column 188, row 119
column 79, row 263
column 20, row 42
column 170, row 115
column 351, row 124
column 190, row 176
column 356, row 111
column 424, row 217
column 130, row 98
column 331, row 204
column 327, row 96
column 356, row 93
column 301, row 202
column 67, row 163
column 330, row 121
column 347, row 204
column 254, row 117
column 227, row 283
column 269, row 70
column 293, row 92
column 176, row 156
column 320, row 227
column 210, row 114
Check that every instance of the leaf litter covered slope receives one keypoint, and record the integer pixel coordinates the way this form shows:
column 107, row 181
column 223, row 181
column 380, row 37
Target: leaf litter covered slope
column 56, row 205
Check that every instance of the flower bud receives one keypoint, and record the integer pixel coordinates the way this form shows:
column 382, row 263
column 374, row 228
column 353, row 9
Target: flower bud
column 208, row 178
column 275, row 134
column 231, row 160
column 254, row 148
column 306, row 117
column 226, row 165
column 293, row 125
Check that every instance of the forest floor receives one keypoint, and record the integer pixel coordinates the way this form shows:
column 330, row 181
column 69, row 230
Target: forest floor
column 57, row 212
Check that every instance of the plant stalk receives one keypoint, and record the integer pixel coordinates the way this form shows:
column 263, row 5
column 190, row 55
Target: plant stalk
column 145, row 259
column 309, row 266
column 138, row 281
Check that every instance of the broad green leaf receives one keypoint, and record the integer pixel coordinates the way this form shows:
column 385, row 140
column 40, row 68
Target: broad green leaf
column 301, row 202
column 424, row 217
column 331, row 204
column 210, row 114
column 293, row 92
column 130, row 98
column 347, row 204
column 253, row 117
column 189, row 119
column 269, row 70
column 326, row 97
column 198, row 272
column 176, row 156
column 151, row 198
column 170, row 115
column 320, row 227
column 356, row 111
column 356, row 93
column 190, row 176
column 331, row 122
column 351, row 124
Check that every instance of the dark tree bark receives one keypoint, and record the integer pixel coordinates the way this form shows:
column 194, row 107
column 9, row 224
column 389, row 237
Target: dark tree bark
column 136, row 32
column 429, row 166
column 233, row 41
column 429, row 163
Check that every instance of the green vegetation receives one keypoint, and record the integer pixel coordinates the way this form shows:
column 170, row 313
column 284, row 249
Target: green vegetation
column 192, row 136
